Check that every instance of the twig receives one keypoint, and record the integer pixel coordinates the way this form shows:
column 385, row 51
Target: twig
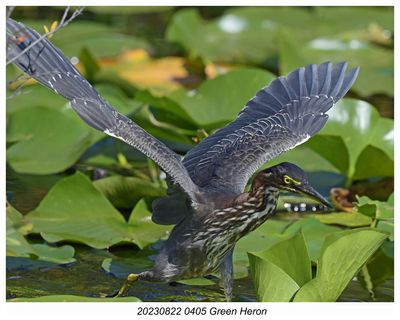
column 10, row 11
column 64, row 22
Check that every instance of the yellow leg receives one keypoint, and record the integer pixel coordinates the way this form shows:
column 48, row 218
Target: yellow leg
column 128, row 282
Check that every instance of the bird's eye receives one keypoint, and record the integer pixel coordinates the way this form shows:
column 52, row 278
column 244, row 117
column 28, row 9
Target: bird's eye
column 287, row 180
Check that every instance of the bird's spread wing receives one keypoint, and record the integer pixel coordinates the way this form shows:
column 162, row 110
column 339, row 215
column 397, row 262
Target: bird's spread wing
column 281, row 116
column 47, row 64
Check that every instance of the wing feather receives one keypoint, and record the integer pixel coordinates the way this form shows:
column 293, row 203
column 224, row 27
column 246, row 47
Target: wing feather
column 282, row 115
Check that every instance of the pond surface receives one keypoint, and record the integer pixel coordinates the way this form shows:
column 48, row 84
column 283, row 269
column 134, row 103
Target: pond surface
column 86, row 277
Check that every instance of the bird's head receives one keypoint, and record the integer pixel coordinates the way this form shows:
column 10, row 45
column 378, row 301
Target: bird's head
column 289, row 177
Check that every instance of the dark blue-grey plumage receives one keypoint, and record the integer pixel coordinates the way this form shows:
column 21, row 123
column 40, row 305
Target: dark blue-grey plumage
column 285, row 113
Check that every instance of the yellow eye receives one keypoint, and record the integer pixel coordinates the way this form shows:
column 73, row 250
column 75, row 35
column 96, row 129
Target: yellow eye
column 287, row 180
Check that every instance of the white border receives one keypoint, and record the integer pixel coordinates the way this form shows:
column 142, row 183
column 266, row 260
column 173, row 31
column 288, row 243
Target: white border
column 282, row 311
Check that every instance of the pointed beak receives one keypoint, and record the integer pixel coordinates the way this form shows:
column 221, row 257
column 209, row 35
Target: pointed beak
column 310, row 192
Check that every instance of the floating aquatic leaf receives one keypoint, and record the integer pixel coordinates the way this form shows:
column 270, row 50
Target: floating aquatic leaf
column 75, row 210
column 102, row 40
column 239, row 30
column 356, row 125
column 50, row 139
column 72, row 298
column 125, row 192
column 348, row 219
column 376, row 63
column 143, row 230
column 18, row 246
column 198, row 282
column 46, row 141
column 209, row 107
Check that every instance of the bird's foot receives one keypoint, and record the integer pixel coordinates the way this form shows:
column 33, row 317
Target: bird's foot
column 125, row 287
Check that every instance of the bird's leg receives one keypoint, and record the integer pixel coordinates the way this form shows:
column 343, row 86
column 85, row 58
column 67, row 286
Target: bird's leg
column 226, row 270
column 128, row 282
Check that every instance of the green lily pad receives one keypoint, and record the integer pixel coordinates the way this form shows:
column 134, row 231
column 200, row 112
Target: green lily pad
column 125, row 192
column 48, row 136
column 72, row 298
column 102, row 40
column 339, row 19
column 46, row 141
column 165, row 104
column 358, row 125
column 18, row 246
column 348, row 219
column 281, row 270
column 239, row 30
column 75, row 210
column 143, row 230
column 376, row 63
column 342, row 255
column 34, row 96
column 210, row 107
column 304, row 157
column 197, row 282
column 122, row 267
column 204, row 40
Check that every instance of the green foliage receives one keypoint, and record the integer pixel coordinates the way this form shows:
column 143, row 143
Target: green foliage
column 341, row 257
column 125, row 192
column 75, row 201
column 299, row 36
column 353, row 219
column 284, row 270
column 209, row 107
column 100, row 39
column 358, row 125
column 18, row 246
column 72, row 298
column 45, row 141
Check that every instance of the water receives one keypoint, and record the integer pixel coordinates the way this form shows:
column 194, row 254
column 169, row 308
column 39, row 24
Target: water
column 86, row 277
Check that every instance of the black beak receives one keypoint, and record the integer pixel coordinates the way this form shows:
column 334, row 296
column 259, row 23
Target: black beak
column 309, row 191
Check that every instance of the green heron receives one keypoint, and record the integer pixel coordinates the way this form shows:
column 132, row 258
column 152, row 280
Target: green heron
column 206, row 200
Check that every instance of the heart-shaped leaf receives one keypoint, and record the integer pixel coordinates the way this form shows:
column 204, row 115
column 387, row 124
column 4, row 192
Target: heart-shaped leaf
column 211, row 105
column 357, row 125
column 75, row 210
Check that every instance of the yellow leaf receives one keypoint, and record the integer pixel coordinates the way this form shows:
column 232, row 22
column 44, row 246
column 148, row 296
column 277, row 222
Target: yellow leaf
column 160, row 76
column 54, row 25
